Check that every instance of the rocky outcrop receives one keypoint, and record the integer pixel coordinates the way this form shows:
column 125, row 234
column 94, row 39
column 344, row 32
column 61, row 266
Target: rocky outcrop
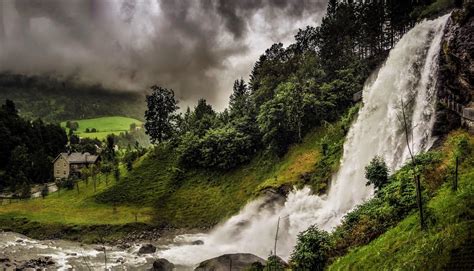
column 41, row 263
column 147, row 249
column 162, row 265
column 456, row 72
column 235, row 262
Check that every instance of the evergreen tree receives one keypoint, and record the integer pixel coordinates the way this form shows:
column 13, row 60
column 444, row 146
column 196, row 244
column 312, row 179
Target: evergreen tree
column 239, row 103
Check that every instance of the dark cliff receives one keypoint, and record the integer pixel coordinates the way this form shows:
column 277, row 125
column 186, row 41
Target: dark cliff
column 456, row 73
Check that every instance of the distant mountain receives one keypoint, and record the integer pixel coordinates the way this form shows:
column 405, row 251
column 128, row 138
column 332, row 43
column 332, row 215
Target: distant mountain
column 56, row 100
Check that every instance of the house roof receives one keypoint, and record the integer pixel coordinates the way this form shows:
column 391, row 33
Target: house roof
column 78, row 157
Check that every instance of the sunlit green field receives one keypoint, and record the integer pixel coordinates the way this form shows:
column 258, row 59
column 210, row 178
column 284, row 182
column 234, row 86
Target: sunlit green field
column 104, row 126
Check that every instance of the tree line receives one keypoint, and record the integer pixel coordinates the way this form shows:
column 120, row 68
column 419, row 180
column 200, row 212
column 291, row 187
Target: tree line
column 291, row 89
column 27, row 148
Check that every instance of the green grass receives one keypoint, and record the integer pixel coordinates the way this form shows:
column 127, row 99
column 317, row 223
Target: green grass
column 71, row 207
column 104, row 126
column 407, row 247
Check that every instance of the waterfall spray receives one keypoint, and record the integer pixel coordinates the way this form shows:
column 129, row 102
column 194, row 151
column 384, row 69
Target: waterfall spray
column 408, row 74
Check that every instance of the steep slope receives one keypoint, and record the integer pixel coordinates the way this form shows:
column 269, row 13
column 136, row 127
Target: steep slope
column 445, row 243
column 202, row 198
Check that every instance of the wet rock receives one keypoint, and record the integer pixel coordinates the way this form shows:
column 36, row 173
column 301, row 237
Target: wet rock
column 40, row 263
column 124, row 246
column 162, row 265
column 147, row 249
column 120, row 260
column 19, row 241
column 238, row 261
column 198, row 242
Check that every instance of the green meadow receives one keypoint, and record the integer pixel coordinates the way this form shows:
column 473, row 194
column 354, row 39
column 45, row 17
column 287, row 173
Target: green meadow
column 103, row 125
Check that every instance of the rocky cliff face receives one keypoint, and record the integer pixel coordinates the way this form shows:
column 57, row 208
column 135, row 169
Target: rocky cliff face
column 456, row 73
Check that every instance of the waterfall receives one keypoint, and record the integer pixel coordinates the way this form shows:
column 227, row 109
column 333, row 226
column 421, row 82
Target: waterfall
column 409, row 74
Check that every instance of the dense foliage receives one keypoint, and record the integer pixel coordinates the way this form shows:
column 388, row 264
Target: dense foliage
column 27, row 148
column 160, row 114
column 376, row 172
column 311, row 251
column 397, row 198
column 291, row 90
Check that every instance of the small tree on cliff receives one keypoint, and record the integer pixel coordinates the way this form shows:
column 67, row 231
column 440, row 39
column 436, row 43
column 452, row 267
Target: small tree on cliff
column 160, row 114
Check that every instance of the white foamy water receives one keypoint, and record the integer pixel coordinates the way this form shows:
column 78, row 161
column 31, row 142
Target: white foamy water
column 409, row 74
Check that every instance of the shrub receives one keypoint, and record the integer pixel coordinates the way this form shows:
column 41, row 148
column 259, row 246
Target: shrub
column 311, row 251
column 222, row 148
column 376, row 173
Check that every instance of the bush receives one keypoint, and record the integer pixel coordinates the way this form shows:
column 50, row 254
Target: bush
column 25, row 191
column 222, row 148
column 311, row 251
column 376, row 172
column 68, row 183
column 274, row 263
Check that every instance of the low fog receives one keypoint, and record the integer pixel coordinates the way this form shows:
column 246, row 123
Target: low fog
column 195, row 47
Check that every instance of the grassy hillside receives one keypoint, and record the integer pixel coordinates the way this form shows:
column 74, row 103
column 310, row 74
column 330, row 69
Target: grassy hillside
column 201, row 198
column 449, row 229
column 104, row 126
column 158, row 195
column 71, row 207
column 74, row 215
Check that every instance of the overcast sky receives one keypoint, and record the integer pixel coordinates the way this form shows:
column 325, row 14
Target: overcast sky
column 195, row 47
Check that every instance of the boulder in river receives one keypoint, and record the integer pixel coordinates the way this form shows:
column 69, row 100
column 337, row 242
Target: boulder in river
column 198, row 242
column 237, row 261
column 147, row 249
column 162, row 265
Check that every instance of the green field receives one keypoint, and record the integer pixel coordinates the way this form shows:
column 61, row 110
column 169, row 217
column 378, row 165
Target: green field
column 73, row 207
column 104, row 126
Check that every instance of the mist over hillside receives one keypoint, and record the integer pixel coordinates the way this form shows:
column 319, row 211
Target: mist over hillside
column 55, row 100
column 198, row 48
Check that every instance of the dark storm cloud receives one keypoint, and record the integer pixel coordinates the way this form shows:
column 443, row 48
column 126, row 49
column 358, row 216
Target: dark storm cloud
column 129, row 45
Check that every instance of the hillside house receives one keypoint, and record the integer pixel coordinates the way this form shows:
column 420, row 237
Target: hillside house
column 67, row 164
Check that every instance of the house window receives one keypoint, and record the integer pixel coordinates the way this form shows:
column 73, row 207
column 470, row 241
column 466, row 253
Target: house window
column 64, row 172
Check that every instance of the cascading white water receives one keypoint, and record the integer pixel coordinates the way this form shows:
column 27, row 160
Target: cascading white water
column 409, row 74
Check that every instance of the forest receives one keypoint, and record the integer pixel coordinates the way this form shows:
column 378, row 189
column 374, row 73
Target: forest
column 291, row 89
column 27, row 149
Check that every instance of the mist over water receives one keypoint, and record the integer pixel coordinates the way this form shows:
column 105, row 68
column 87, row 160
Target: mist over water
column 409, row 74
